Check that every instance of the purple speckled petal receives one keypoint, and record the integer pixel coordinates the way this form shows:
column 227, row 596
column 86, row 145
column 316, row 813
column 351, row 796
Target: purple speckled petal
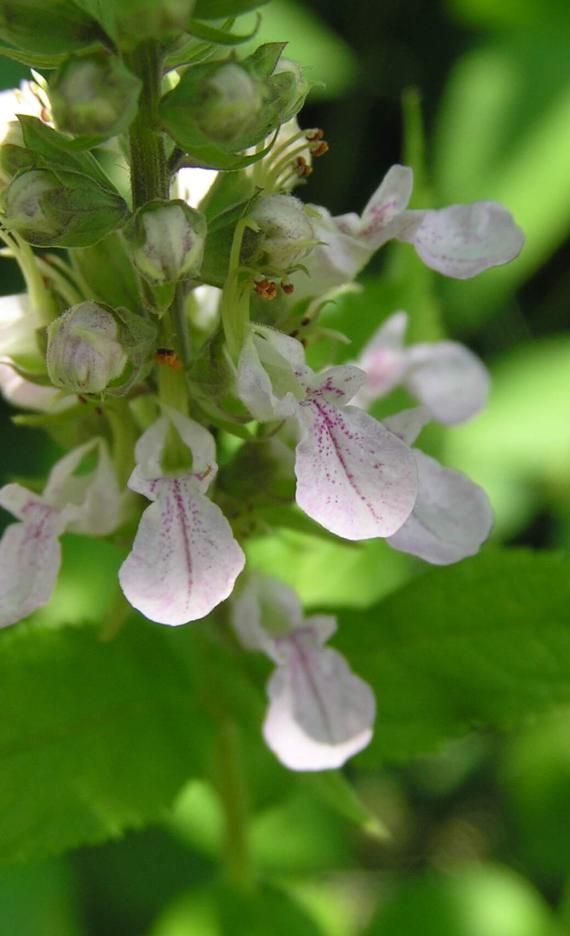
column 320, row 713
column 184, row 559
column 30, row 554
column 451, row 519
column 354, row 477
column 382, row 214
column 463, row 240
column 336, row 385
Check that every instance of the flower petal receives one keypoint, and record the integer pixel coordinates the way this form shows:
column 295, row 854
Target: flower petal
column 382, row 214
column 30, row 555
column 451, row 519
column 384, row 360
column 449, row 379
column 463, row 240
column 264, row 611
column 184, row 559
column 336, row 384
column 354, row 477
column 27, row 395
column 320, row 713
column 408, row 423
column 255, row 387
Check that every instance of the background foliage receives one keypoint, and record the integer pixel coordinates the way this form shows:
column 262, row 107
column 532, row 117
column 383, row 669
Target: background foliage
column 445, row 830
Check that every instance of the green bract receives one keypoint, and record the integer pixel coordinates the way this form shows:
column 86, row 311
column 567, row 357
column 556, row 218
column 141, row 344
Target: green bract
column 48, row 26
column 94, row 95
column 222, row 108
column 65, row 209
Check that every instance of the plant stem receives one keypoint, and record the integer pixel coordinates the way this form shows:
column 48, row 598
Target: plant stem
column 233, row 792
column 149, row 167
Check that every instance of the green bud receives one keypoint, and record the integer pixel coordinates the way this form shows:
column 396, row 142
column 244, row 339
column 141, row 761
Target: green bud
column 290, row 86
column 285, row 236
column 94, row 95
column 167, row 240
column 61, row 209
column 84, row 352
column 227, row 101
column 47, row 26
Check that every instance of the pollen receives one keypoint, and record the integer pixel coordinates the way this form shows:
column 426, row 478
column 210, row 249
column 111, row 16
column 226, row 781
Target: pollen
column 266, row 289
column 168, row 357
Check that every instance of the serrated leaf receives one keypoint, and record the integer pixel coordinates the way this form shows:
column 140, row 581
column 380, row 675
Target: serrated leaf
column 485, row 643
column 94, row 737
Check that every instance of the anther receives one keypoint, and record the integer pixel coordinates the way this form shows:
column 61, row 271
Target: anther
column 266, row 289
column 319, row 149
column 316, row 134
column 169, row 357
column 287, row 287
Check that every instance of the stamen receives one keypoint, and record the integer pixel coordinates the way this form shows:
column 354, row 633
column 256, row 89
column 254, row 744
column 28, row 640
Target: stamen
column 168, row 357
column 266, row 289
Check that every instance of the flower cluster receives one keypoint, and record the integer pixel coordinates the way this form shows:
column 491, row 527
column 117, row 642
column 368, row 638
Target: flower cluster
column 167, row 331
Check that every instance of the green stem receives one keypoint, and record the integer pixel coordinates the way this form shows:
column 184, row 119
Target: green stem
column 233, row 792
column 124, row 433
column 149, row 167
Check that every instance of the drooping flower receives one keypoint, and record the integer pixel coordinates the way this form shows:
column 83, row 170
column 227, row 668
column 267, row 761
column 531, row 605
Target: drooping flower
column 460, row 241
column 30, row 554
column 354, row 477
column 444, row 376
column 320, row 713
column 184, row 560
column 452, row 516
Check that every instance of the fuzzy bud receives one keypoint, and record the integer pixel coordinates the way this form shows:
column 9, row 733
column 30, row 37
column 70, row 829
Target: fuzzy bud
column 167, row 240
column 84, row 352
column 229, row 100
column 285, row 234
column 94, row 95
column 66, row 209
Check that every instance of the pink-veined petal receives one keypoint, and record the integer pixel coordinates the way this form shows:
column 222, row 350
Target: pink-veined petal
column 381, row 216
column 30, row 554
column 463, row 240
column 451, row 519
column 354, row 477
column 320, row 713
column 336, row 385
column 449, row 379
column 336, row 260
column 184, row 559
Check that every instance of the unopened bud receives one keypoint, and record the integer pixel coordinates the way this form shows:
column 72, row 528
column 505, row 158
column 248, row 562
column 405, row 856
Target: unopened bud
column 285, row 235
column 289, row 81
column 230, row 100
column 84, row 352
column 167, row 240
column 94, row 95
column 63, row 209
column 150, row 19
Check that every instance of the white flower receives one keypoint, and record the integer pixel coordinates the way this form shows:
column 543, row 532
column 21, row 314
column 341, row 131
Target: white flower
column 184, row 560
column 320, row 713
column 452, row 516
column 460, row 241
column 30, row 553
column 31, row 100
column 445, row 376
column 18, row 326
column 354, row 477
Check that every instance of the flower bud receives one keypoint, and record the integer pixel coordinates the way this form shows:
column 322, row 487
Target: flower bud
column 167, row 240
column 230, row 99
column 63, row 209
column 289, row 82
column 94, row 95
column 84, row 352
column 285, row 235
column 150, row 19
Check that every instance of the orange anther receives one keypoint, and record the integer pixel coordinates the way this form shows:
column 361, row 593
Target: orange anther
column 169, row 357
column 266, row 289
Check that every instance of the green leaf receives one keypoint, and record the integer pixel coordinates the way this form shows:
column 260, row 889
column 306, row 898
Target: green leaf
column 56, row 151
column 485, row 643
column 221, row 36
column 108, row 272
column 34, row 59
column 47, row 26
column 95, row 737
column 216, row 9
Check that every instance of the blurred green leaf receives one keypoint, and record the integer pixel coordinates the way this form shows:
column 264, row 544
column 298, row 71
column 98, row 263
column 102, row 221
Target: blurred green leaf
column 95, row 737
column 506, row 136
column 39, row 898
column 476, row 901
column 485, row 643
column 310, row 41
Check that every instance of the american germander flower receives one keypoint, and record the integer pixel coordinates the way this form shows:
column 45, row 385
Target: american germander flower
column 184, row 559
column 354, row 477
column 320, row 713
